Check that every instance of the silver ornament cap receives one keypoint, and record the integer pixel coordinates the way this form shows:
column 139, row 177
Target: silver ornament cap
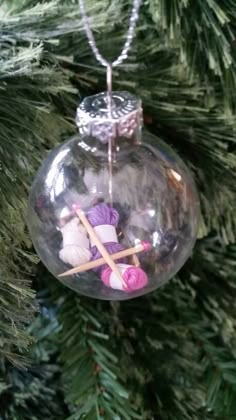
column 124, row 119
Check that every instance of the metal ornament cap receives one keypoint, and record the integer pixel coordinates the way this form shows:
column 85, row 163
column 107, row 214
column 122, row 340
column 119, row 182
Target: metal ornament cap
column 124, row 118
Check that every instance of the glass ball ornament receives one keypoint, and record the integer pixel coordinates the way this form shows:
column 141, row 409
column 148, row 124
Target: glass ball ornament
column 132, row 196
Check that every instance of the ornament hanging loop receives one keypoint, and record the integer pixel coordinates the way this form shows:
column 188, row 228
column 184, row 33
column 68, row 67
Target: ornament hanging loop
column 109, row 89
column 109, row 114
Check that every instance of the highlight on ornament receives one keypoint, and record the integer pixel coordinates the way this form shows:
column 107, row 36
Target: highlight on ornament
column 93, row 237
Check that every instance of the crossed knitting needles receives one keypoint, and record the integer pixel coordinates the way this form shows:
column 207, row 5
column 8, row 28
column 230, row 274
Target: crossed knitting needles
column 107, row 258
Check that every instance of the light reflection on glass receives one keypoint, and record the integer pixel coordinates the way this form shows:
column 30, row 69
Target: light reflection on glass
column 94, row 189
column 156, row 238
column 151, row 213
column 54, row 172
column 176, row 175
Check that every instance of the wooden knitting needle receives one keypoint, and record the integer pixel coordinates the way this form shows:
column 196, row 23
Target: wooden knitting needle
column 143, row 246
column 99, row 244
column 134, row 257
column 135, row 260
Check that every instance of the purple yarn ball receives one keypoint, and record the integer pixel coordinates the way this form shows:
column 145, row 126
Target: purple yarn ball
column 112, row 248
column 102, row 214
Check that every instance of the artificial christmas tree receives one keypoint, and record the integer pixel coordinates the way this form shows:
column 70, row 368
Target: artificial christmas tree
column 170, row 354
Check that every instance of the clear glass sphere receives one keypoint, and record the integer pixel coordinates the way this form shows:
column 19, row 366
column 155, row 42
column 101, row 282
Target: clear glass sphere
column 145, row 201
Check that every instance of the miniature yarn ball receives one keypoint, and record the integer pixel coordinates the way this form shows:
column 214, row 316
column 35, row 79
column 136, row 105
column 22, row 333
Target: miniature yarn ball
column 149, row 201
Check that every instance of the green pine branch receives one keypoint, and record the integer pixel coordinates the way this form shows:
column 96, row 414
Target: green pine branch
column 91, row 371
column 204, row 31
column 35, row 393
column 29, row 123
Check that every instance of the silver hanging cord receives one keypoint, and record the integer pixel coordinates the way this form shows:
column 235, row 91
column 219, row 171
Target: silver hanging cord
column 130, row 35
column 124, row 53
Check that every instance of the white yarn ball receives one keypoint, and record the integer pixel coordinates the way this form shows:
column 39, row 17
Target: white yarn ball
column 76, row 246
column 74, row 255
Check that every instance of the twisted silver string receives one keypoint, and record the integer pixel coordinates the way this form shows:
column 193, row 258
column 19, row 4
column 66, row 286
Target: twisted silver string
column 130, row 35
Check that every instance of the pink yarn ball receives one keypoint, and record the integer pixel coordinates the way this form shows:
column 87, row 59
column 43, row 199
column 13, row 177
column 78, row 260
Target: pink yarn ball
column 134, row 277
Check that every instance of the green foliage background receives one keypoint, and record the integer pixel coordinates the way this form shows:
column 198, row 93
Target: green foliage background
column 170, row 355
